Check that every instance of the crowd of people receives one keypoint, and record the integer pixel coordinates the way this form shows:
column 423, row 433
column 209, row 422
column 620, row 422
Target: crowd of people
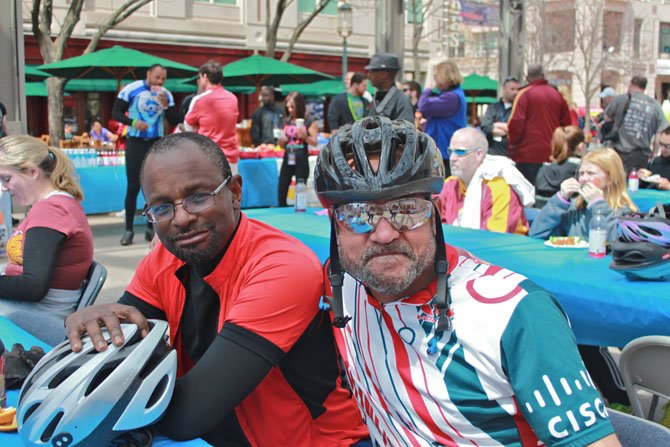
column 435, row 349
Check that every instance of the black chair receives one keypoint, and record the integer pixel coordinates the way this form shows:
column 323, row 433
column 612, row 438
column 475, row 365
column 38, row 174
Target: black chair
column 633, row 431
column 90, row 288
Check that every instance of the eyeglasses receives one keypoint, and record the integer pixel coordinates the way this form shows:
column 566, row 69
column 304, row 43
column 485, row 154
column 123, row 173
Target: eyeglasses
column 195, row 203
column 511, row 79
column 403, row 214
column 460, row 152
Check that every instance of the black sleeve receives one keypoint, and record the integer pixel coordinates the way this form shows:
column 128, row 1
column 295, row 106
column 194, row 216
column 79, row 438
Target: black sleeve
column 145, row 308
column 172, row 115
column 334, row 110
column 233, row 365
column 119, row 112
column 3, row 111
column 489, row 119
column 255, row 131
column 41, row 247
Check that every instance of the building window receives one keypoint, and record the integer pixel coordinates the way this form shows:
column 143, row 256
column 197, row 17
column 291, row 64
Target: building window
column 218, row 2
column 307, row 6
column 486, row 44
column 612, row 25
column 664, row 38
column 414, row 11
column 559, row 30
column 456, row 46
column 637, row 41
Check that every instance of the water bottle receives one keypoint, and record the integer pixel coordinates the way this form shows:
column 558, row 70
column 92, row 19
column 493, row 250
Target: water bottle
column 597, row 235
column 300, row 196
column 633, row 181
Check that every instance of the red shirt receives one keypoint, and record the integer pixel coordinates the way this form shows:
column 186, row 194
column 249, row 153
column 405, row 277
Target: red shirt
column 269, row 283
column 60, row 212
column 537, row 111
column 214, row 113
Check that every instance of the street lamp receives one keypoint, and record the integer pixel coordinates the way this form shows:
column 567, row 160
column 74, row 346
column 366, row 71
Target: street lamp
column 344, row 28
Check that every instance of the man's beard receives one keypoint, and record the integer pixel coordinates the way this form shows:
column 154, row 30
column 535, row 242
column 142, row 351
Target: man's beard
column 193, row 256
column 390, row 285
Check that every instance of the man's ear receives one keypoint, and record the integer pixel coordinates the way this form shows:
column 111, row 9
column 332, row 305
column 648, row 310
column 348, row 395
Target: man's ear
column 235, row 187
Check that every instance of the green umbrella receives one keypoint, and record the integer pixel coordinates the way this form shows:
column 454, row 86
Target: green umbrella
column 328, row 87
column 33, row 74
column 259, row 70
column 114, row 63
column 37, row 89
column 191, row 82
column 475, row 87
column 109, row 85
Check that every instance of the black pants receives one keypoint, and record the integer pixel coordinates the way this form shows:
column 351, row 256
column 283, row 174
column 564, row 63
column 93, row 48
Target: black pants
column 633, row 160
column 300, row 170
column 603, row 370
column 529, row 170
column 136, row 150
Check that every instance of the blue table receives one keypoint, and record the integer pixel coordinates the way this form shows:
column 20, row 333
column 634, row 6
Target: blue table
column 605, row 308
column 646, row 198
column 104, row 189
column 10, row 334
column 259, row 182
column 105, row 186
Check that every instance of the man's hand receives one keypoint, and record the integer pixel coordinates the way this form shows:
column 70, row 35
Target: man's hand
column 663, row 184
column 499, row 129
column 91, row 320
column 643, row 173
column 569, row 187
column 140, row 125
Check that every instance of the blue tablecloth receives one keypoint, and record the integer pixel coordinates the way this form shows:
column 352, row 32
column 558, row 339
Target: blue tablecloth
column 605, row 308
column 104, row 189
column 10, row 334
column 105, row 186
column 646, row 198
column 259, row 182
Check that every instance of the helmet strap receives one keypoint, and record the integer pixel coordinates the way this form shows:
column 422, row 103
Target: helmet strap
column 336, row 280
column 443, row 293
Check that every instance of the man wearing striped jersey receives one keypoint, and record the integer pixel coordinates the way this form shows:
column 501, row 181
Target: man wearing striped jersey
column 440, row 348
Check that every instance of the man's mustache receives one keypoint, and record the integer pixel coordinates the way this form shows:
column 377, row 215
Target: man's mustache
column 394, row 247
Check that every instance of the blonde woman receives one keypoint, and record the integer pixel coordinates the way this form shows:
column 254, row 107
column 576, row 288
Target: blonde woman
column 567, row 145
column 601, row 186
column 443, row 107
column 52, row 249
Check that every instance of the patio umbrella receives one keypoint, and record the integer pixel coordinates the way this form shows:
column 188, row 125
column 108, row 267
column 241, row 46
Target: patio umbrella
column 328, row 87
column 475, row 86
column 38, row 89
column 114, row 63
column 257, row 70
column 33, row 74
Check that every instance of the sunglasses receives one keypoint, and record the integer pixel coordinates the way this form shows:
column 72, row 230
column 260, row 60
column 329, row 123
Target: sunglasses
column 460, row 152
column 403, row 214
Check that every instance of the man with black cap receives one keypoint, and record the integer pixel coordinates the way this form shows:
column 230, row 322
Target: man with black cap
column 388, row 101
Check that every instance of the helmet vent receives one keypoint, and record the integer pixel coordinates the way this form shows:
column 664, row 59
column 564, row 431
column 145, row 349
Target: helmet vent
column 102, row 374
column 158, row 391
column 30, row 411
column 49, row 431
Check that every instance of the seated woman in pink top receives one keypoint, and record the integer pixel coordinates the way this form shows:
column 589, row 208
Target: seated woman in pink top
column 51, row 250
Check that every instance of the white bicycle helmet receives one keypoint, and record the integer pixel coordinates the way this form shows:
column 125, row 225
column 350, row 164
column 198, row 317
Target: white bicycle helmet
column 90, row 398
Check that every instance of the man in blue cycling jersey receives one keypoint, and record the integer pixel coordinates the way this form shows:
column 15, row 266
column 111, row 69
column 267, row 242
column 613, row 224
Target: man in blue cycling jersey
column 440, row 348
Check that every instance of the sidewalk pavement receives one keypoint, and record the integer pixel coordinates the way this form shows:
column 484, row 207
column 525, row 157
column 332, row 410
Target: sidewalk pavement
column 119, row 260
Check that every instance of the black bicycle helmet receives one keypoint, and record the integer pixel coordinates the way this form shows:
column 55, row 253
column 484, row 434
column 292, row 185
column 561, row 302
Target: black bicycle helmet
column 409, row 164
column 641, row 260
column 90, row 398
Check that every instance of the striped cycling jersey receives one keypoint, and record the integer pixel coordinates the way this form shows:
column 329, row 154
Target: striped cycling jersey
column 508, row 374
column 145, row 106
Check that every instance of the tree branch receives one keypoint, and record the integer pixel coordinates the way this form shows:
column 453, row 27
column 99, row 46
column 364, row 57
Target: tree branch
column 114, row 19
column 271, row 31
column 71, row 19
column 320, row 5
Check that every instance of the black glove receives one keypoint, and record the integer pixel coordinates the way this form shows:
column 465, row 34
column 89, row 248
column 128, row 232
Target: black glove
column 19, row 363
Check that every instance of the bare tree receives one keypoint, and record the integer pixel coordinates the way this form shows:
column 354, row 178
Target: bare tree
column 589, row 50
column 53, row 44
column 419, row 11
column 273, row 21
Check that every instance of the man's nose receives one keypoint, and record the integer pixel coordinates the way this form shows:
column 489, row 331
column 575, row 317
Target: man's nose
column 384, row 233
column 182, row 217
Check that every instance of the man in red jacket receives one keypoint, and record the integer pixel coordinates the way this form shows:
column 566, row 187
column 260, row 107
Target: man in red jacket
column 537, row 111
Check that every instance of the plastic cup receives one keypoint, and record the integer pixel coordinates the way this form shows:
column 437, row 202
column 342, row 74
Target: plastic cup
column 299, row 123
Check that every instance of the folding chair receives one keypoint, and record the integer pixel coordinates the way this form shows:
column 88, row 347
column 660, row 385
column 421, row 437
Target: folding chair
column 644, row 365
column 97, row 274
column 633, row 431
